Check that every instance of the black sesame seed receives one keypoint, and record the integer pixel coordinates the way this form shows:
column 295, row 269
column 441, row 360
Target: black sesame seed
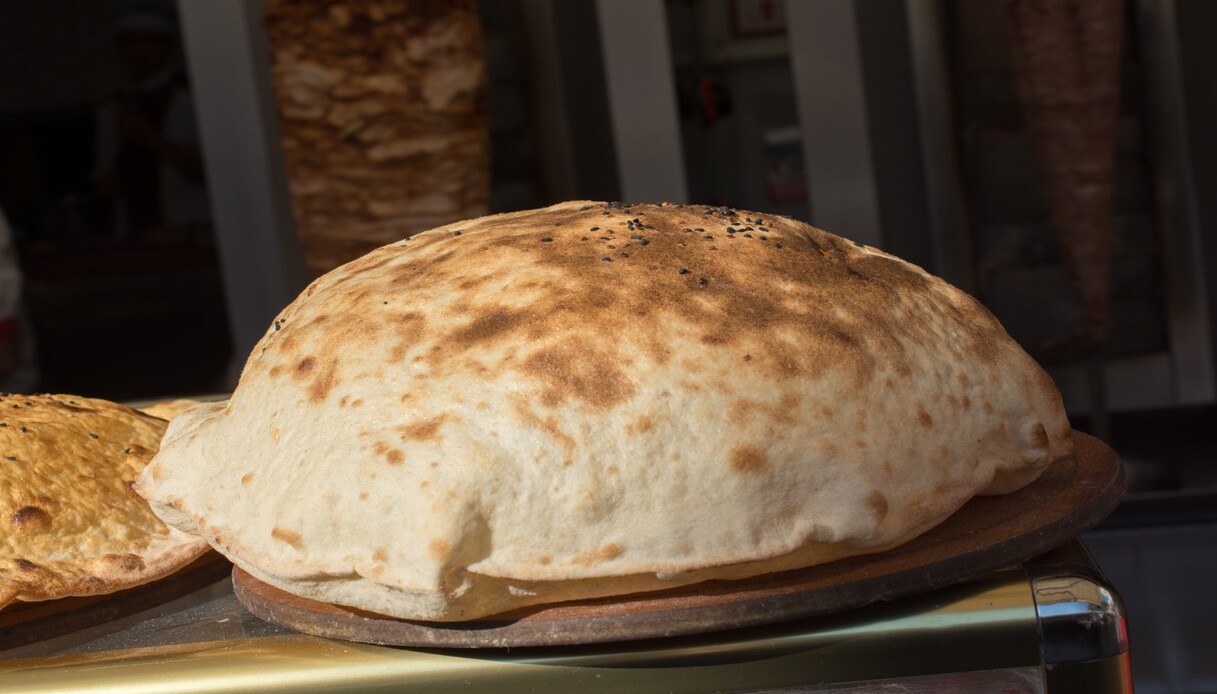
column 126, row 450
column 9, row 457
column 546, row 240
column 777, row 245
column 456, row 233
column 3, row 424
column 683, row 271
column 595, row 229
column 606, row 259
column 747, row 236
column 764, row 238
column 585, row 208
column 605, row 238
column 635, row 236
column 23, row 430
column 703, row 281
column 644, row 242
column 730, row 230
column 92, row 436
column 699, row 230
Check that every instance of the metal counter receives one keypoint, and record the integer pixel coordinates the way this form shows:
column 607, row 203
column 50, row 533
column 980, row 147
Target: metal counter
column 1052, row 624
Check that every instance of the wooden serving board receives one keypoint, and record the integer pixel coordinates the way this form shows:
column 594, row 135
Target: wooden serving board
column 987, row 534
column 23, row 623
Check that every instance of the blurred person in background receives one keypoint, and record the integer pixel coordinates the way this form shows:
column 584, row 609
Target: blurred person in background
column 147, row 151
column 18, row 353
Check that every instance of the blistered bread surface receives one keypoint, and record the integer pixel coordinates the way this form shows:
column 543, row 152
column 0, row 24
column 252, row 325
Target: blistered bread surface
column 593, row 399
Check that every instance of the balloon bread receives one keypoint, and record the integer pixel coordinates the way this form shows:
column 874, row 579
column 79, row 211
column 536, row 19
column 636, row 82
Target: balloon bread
column 72, row 524
column 598, row 399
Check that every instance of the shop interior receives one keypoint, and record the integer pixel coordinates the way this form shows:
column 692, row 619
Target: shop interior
column 898, row 124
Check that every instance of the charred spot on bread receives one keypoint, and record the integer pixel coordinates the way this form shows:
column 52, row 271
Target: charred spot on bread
column 30, row 518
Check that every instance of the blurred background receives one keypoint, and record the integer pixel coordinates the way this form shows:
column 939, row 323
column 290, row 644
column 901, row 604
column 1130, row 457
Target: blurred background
column 175, row 173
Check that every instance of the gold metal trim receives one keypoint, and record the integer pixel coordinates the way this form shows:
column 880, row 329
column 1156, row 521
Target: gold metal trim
column 984, row 624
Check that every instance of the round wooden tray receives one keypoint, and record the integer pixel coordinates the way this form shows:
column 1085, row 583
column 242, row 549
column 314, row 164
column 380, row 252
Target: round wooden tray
column 987, row 534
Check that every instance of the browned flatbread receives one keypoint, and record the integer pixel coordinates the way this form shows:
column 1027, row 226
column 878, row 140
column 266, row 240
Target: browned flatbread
column 72, row 524
column 595, row 399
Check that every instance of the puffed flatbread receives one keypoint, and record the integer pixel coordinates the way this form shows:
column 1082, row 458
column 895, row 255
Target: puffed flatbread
column 595, row 399
column 72, row 524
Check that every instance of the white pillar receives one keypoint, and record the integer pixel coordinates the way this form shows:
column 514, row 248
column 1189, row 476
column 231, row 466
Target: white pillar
column 642, row 100
column 261, row 260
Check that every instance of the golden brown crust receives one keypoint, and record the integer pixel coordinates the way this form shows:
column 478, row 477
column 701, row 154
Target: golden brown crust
column 72, row 524
column 745, row 280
